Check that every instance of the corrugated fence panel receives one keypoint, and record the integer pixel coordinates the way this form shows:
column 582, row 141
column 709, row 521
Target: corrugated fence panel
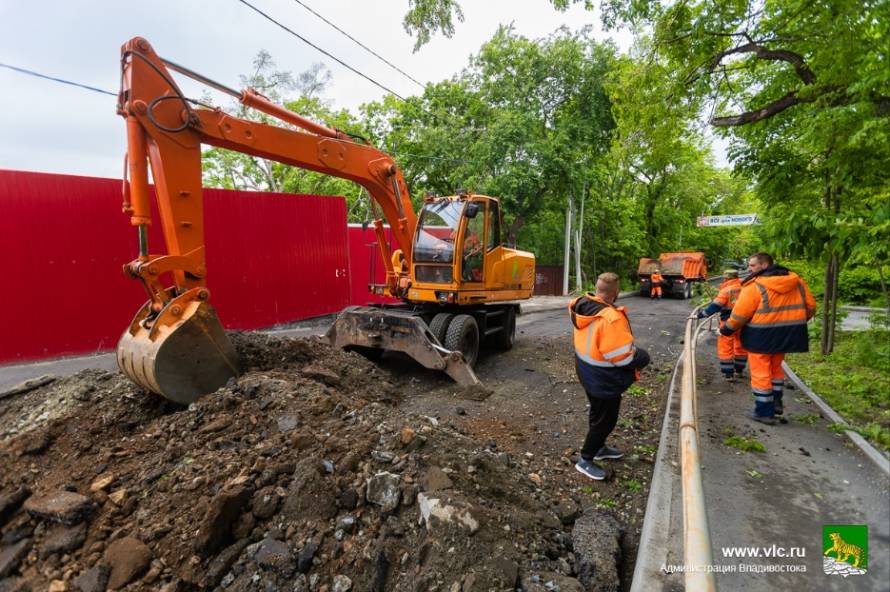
column 271, row 258
column 274, row 258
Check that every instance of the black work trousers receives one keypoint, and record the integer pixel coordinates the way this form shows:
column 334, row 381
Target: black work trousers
column 601, row 421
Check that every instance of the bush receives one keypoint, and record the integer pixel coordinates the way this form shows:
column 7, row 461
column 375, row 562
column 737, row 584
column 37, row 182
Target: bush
column 859, row 284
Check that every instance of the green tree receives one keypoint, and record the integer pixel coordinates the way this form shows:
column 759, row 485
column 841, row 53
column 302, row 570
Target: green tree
column 236, row 170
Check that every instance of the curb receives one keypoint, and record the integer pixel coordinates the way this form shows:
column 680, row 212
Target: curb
column 862, row 308
column 870, row 451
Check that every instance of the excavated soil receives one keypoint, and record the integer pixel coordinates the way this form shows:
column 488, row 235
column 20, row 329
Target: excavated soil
column 318, row 470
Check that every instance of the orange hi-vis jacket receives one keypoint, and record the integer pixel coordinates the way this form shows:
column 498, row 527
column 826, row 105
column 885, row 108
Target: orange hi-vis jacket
column 656, row 279
column 604, row 346
column 726, row 298
column 772, row 312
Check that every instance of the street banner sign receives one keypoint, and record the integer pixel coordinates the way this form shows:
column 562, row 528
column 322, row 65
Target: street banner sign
column 729, row 220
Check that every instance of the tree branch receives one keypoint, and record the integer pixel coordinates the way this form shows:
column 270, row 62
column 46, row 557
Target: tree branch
column 769, row 110
column 795, row 59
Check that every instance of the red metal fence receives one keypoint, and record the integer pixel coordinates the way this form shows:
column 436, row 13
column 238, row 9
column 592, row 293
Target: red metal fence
column 271, row 258
column 548, row 280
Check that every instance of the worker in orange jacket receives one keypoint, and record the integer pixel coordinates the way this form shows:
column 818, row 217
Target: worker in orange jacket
column 607, row 362
column 772, row 313
column 656, row 279
column 732, row 355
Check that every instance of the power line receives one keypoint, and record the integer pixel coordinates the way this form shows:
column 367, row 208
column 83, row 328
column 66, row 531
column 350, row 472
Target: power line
column 333, row 57
column 105, row 92
column 54, row 79
column 363, row 46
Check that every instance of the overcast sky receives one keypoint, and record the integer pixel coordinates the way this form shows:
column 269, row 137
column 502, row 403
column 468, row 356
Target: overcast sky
column 51, row 127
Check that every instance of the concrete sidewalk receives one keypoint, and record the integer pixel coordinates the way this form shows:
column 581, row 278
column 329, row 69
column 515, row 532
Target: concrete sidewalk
column 808, row 477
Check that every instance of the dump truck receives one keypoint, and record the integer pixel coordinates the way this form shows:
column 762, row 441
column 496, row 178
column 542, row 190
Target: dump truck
column 456, row 292
column 680, row 272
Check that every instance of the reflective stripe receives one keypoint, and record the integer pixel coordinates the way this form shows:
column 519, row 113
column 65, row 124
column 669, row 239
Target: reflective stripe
column 593, row 362
column 778, row 324
column 782, row 308
column 761, row 391
column 764, row 399
column 766, row 308
column 617, row 352
column 764, row 298
column 738, row 318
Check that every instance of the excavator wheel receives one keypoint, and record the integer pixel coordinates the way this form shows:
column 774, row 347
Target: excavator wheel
column 439, row 325
column 463, row 336
column 179, row 358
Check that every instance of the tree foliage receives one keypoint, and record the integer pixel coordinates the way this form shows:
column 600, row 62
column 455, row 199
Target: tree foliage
column 236, row 170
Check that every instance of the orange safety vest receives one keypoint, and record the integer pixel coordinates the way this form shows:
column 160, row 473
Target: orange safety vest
column 604, row 339
column 728, row 295
column 656, row 278
column 772, row 311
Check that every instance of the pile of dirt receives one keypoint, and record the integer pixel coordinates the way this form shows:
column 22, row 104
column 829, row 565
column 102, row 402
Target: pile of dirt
column 303, row 474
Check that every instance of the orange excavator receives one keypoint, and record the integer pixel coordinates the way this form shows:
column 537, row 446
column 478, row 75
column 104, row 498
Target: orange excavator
column 458, row 292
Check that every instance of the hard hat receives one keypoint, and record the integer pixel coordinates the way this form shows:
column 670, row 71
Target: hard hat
column 731, row 273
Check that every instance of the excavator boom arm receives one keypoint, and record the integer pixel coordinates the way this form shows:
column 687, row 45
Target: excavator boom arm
column 164, row 129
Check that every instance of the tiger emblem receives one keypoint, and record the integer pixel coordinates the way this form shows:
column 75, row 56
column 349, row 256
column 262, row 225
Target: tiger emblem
column 844, row 550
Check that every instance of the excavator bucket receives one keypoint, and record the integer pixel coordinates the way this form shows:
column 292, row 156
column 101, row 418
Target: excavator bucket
column 378, row 328
column 179, row 360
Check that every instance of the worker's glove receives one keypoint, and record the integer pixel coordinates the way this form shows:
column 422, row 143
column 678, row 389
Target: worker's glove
column 725, row 330
column 701, row 314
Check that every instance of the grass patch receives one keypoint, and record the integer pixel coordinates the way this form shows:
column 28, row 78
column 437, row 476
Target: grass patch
column 745, row 444
column 854, row 380
column 607, row 503
column 633, row 485
column 646, row 449
column 636, row 390
column 805, row 418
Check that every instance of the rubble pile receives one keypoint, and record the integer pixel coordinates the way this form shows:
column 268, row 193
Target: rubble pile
column 304, row 474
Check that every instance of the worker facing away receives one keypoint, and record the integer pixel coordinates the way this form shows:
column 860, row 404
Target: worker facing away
column 607, row 362
column 656, row 280
column 771, row 313
column 733, row 357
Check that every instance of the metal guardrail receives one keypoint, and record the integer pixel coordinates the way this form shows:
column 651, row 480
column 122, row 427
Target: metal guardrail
column 697, row 555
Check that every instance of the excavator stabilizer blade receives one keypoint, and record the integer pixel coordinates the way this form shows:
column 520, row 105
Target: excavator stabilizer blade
column 378, row 328
column 182, row 360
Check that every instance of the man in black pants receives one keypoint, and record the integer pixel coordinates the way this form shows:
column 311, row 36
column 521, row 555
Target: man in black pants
column 607, row 362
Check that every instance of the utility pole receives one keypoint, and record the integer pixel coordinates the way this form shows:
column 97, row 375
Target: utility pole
column 568, row 247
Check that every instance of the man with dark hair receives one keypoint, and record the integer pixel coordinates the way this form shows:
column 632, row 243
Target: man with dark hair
column 607, row 362
column 759, row 262
column 772, row 311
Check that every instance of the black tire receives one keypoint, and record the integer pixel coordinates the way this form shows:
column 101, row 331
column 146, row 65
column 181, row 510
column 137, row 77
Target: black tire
column 687, row 291
column 439, row 325
column 505, row 338
column 463, row 336
column 371, row 353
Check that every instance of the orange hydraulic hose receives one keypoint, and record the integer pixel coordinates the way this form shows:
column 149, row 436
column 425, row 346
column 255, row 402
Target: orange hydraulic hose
column 251, row 98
